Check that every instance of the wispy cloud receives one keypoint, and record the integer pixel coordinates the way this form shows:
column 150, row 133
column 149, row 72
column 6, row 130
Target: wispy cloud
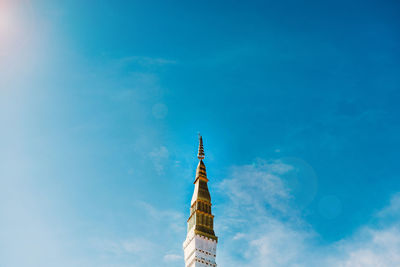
column 264, row 225
column 159, row 156
column 145, row 61
column 257, row 185
column 369, row 247
column 261, row 229
column 392, row 211
column 171, row 219
column 121, row 253
column 173, row 258
column 159, row 247
column 133, row 247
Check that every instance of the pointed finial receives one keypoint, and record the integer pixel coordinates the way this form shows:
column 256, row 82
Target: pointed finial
column 200, row 155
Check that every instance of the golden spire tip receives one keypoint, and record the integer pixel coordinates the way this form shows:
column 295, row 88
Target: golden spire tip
column 201, row 155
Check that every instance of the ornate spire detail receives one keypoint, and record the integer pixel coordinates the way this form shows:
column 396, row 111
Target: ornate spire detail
column 200, row 155
column 201, row 168
column 201, row 218
column 201, row 242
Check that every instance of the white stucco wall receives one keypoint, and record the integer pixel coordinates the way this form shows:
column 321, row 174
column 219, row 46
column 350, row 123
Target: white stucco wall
column 199, row 250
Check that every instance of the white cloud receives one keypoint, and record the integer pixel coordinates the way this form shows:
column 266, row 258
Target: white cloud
column 132, row 252
column 172, row 258
column 159, row 246
column 148, row 61
column 260, row 227
column 125, row 247
column 257, row 185
column 239, row 236
column 160, row 110
column 159, row 157
column 370, row 247
column 393, row 210
column 171, row 219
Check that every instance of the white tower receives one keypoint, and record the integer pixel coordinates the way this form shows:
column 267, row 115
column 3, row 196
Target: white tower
column 200, row 246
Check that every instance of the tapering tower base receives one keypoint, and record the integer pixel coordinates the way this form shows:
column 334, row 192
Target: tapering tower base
column 200, row 251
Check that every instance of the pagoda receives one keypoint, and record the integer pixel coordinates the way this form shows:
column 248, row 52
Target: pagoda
column 200, row 245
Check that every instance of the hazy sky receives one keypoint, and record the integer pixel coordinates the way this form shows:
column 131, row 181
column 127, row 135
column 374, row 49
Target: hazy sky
column 297, row 102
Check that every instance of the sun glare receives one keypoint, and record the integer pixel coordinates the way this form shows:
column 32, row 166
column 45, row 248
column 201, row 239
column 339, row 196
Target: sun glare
column 9, row 22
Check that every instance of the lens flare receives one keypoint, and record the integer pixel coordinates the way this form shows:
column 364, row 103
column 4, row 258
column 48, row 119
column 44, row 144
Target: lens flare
column 15, row 23
column 8, row 23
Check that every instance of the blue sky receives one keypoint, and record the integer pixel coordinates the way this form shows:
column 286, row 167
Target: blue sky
column 101, row 104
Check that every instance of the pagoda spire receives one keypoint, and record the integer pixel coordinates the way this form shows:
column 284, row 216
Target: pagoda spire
column 201, row 242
